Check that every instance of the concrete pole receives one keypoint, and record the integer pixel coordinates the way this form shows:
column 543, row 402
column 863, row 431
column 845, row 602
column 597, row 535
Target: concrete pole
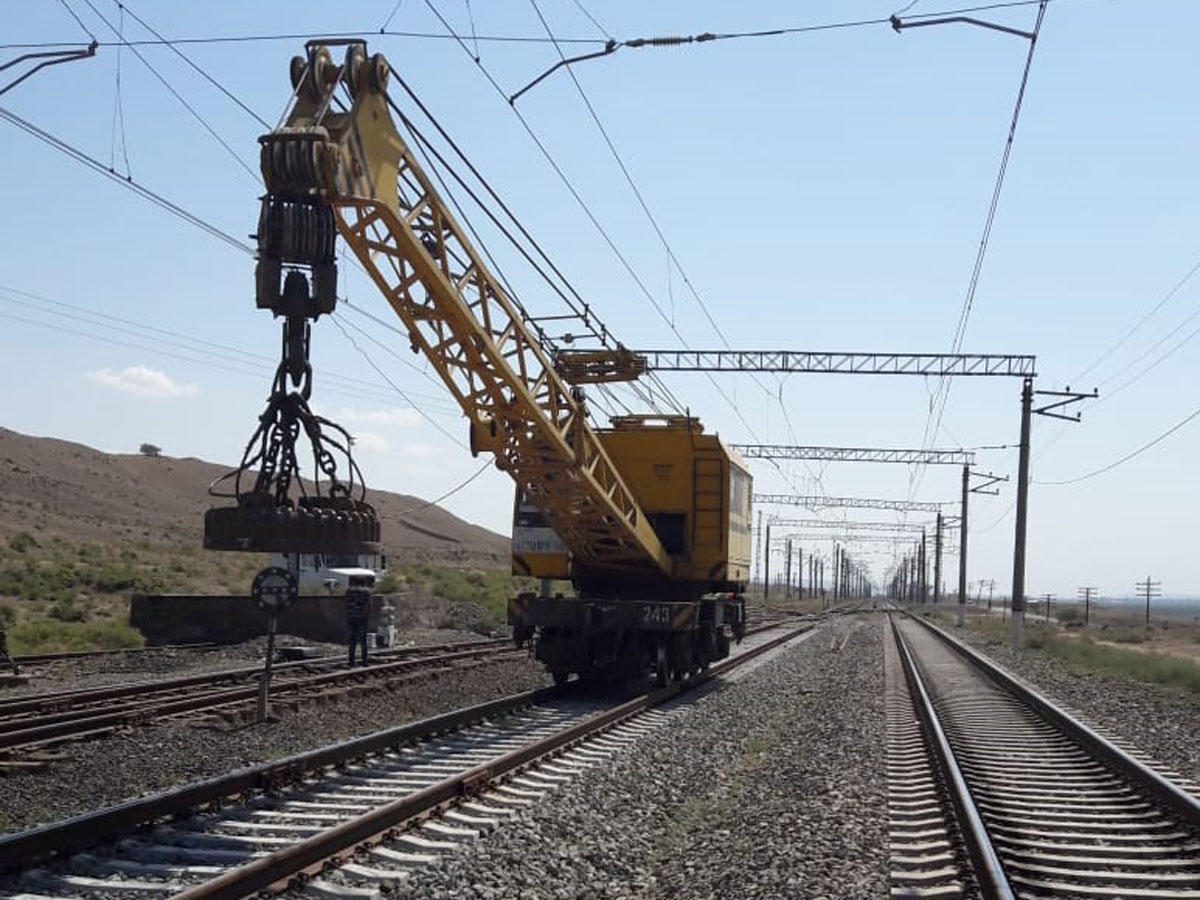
column 800, row 573
column 937, row 562
column 924, row 565
column 758, row 533
column 767, row 566
column 787, row 572
column 1016, row 624
column 962, row 549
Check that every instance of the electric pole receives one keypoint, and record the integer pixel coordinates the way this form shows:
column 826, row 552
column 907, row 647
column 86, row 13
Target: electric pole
column 962, row 549
column 767, row 566
column 787, row 572
column 1086, row 594
column 924, row 564
column 937, row 562
column 759, row 534
column 1027, row 412
column 1150, row 590
column 1047, row 598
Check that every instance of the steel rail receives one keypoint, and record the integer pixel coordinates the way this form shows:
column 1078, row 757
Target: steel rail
column 120, row 651
column 1171, row 795
column 83, row 721
column 282, row 865
column 988, row 872
column 89, row 829
column 32, row 702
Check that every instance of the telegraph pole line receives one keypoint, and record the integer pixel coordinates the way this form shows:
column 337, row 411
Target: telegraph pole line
column 1047, row 598
column 1027, row 412
column 1150, row 590
column 1086, row 594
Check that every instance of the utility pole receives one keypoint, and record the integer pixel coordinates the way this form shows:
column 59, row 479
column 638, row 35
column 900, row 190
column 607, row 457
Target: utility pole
column 924, row 564
column 1027, row 412
column 837, row 572
column 937, row 562
column 1047, row 598
column 821, row 567
column 767, row 566
column 1086, row 594
column 787, row 572
column 1150, row 590
column 1018, row 588
column 800, row 574
column 962, row 549
column 759, row 534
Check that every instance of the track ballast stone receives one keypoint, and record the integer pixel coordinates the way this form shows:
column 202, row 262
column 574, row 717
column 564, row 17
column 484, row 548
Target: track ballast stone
column 1155, row 719
column 145, row 760
column 774, row 785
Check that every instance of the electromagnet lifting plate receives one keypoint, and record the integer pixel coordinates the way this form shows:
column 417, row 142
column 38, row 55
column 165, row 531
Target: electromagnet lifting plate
column 320, row 525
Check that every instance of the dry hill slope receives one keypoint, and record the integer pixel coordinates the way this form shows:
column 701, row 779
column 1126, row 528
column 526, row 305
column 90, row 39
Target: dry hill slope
column 71, row 490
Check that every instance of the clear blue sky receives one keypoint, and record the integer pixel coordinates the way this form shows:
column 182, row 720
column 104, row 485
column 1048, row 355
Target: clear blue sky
column 821, row 191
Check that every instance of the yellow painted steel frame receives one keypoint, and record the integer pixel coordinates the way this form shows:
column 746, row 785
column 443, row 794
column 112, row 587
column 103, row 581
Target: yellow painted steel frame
column 459, row 317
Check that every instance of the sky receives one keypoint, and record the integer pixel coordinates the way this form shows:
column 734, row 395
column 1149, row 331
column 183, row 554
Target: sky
column 822, row 190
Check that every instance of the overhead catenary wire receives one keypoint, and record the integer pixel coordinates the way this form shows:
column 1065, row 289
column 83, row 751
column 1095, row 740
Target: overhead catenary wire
column 942, row 395
column 226, row 357
column 249, row 170
column 124, row 180
column 557, row 168
column 79, row 21
column 1128, row 456
column 195, row 67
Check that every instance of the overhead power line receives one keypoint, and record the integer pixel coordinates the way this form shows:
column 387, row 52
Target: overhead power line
column 131, row 184
column 942, row 395
column 1128, row 456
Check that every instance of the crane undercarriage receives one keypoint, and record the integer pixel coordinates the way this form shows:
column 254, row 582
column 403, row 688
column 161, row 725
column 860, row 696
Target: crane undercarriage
column 613, row 641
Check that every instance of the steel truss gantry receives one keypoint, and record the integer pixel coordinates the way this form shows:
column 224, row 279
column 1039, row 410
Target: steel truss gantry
column 857, row 454
column 814, row 502
column 589, row 366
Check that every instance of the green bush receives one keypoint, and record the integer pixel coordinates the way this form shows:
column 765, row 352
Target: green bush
column 53, row 636
column 1159, row 668
column 22, row 541
column 68, row 611
column 8, row 614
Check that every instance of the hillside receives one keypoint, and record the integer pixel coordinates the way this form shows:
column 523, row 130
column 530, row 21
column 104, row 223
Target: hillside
column 57, row 488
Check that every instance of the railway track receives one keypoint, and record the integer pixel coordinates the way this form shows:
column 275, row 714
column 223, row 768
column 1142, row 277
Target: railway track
column 32, row 722
column 996, row 792
column 348, row 819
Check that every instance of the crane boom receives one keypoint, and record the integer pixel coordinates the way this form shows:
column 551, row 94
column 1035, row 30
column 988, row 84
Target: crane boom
column 456, row 313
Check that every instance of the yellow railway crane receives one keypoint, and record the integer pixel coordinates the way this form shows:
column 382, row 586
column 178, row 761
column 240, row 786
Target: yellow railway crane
column 649, row 519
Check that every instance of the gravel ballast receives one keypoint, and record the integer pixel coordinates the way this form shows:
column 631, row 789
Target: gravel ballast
column 99, row 773
column 158, row 663
column 1154, row 719
column 772, row 785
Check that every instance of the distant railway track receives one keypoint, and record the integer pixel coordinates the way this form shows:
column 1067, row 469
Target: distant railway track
column 30, row 723
column 363, row 812
column 995, row 791
column 120, row 653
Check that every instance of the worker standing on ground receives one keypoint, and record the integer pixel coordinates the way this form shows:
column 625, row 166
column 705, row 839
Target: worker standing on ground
column 358, row 605
column 5, row 658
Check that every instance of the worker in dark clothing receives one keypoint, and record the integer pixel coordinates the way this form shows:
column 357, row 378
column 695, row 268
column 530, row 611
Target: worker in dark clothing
column 358, row 604
column 5, row 658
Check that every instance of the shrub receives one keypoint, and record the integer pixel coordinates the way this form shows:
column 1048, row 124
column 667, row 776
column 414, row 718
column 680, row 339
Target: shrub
column 8, row 614
column 22, row 541
column 53, row 636
column 68, row 610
